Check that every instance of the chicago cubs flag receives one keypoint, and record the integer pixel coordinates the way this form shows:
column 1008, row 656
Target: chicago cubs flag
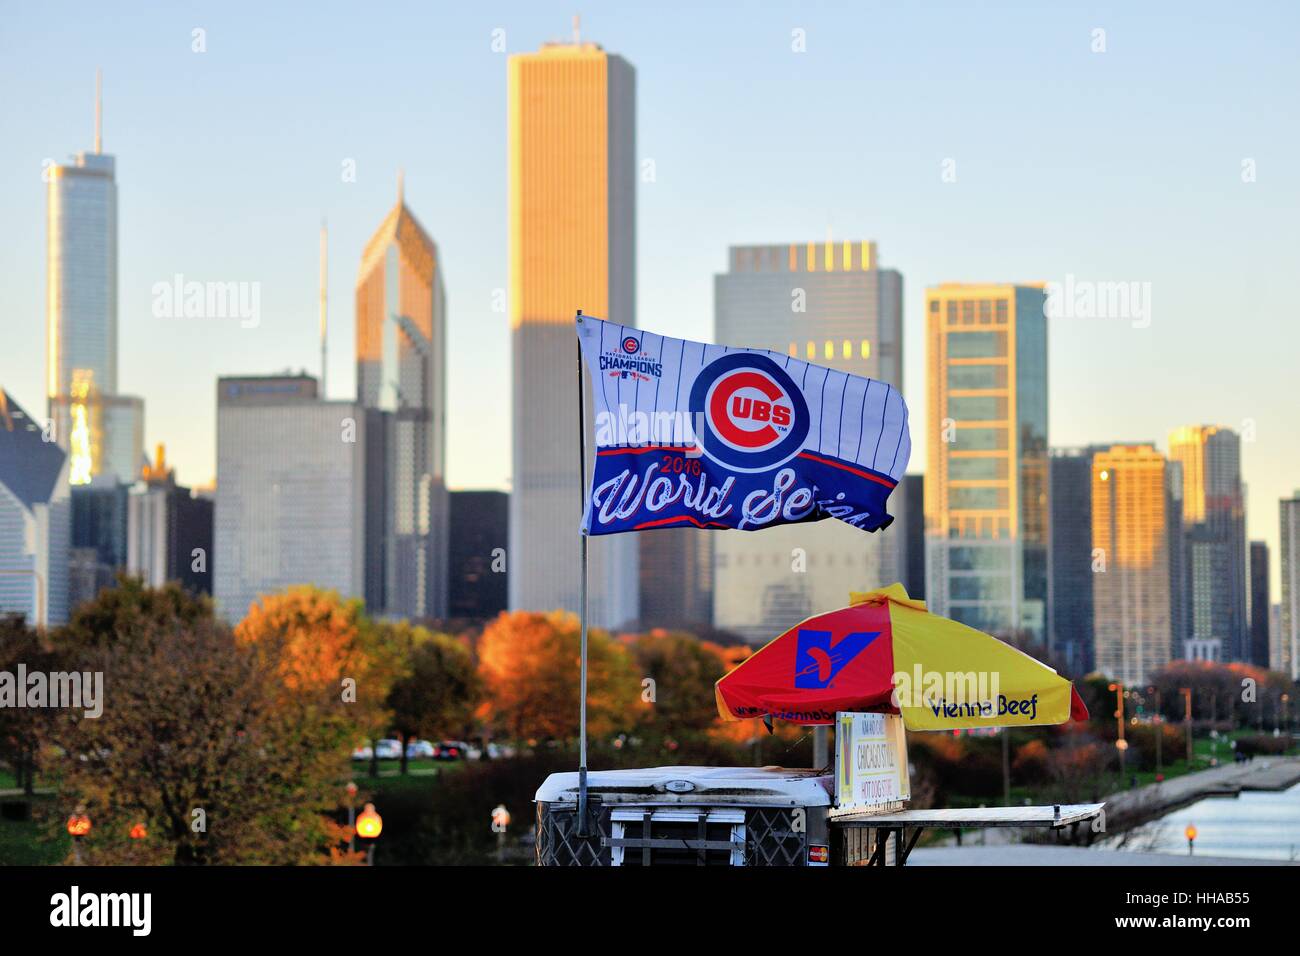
column 689, row 434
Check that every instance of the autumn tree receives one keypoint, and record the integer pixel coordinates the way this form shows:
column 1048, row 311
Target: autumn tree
column 198, row 741
column 22, row 729
column 320, row 635
column 116, row 612
column 438, row 694
column 529, row 664
column 684, row 670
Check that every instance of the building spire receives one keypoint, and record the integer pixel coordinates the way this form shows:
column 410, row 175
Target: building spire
column 577, row 30
column 401, row 185
column 99, row 111
column 324, row 308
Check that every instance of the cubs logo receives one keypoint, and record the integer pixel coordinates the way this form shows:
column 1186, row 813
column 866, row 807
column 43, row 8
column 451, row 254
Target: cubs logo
column 631, row 346
column 755, row 418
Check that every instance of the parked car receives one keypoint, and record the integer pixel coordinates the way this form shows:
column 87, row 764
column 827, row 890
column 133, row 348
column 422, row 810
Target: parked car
column 451, row 750
column 362, row 753
column 420, row 750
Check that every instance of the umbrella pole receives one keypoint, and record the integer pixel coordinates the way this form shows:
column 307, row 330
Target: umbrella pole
column 582, row 614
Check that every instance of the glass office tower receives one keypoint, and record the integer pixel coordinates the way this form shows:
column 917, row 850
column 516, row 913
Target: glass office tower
column 986, row 489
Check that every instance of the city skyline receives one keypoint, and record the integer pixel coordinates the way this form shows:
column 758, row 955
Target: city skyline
column 165, row 361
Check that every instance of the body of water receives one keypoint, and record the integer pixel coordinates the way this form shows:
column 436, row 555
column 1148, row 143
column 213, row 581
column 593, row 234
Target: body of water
column 1256, row 824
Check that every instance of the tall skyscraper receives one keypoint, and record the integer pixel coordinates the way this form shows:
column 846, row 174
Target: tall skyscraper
column 1070, row 558
column 676, row 567
column 1132, row 495
column 572, row 130
column 986, row 488
column 1260, row 604
column 291, row 505
column 169, row 531
column 35, row 519
column 99, row 537
column 1215, row 523
column 102, row 431
column 479, row 570
column 1285, row 656
column 830, row 303
column 914, row 526
column 402, row 373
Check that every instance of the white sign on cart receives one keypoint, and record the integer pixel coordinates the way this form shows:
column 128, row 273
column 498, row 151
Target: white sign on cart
column 870, row 762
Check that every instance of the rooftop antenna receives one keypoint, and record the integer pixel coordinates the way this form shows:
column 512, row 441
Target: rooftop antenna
column 324, row 310
column 99, row 111
column 577, row 30
column 401, row 185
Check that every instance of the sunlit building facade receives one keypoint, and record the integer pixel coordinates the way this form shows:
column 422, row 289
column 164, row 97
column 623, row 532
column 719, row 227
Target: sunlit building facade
column 102, row 431
column 402, row 374
column 828, row 303
column 1133, row 493
column 986, row 486
column 1214, row 517
column 572, row 180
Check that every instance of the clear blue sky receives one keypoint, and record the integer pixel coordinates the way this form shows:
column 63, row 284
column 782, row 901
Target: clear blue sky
column 1122, row 165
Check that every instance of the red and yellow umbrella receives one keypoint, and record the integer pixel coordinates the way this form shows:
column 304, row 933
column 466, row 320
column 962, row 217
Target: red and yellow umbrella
column 885, row 653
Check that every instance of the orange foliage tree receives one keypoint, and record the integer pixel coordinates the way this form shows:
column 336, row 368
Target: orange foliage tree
column 319, row 633
column 529, row 664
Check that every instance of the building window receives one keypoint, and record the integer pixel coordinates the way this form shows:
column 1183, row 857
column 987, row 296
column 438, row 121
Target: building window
column 866, row 349
column 977, row 376
column 846, row 349
column 812, row 350
column 977, row 408
column 829, row 349
column 981, row 439
column 976, row 344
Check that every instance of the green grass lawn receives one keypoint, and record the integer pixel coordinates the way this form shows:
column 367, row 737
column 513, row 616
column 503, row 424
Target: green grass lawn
column 29, row 843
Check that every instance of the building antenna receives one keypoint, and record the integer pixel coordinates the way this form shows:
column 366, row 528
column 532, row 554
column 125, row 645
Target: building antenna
column 324, row 307
column 99, row 111
column 577, row 30
column 401, row 185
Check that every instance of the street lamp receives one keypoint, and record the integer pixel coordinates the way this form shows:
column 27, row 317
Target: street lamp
column 1158, row 719
column 1190, row 833
column 1120, row 743
column 351, row 790
column 500, row 822
column 78, row 827
column 1187, row 722
column 369, row 825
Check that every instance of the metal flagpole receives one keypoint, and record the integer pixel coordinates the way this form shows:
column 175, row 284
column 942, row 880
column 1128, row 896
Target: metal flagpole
column 582, row 544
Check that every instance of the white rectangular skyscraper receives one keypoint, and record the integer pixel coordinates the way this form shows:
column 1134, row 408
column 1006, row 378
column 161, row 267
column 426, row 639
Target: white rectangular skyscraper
column 291, row 491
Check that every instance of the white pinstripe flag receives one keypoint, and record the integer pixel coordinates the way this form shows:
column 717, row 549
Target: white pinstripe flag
column 718, row 437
